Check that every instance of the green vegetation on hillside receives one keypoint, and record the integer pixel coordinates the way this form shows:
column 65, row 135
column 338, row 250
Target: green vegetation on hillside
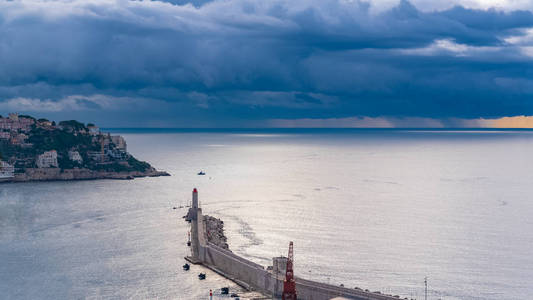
column 97, row 150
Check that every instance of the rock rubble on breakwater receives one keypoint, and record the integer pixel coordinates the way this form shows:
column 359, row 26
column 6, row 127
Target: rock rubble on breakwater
column 215, row 232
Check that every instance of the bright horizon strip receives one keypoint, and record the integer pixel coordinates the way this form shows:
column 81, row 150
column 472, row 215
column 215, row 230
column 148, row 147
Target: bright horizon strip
column 525, row 122
column 511, row 122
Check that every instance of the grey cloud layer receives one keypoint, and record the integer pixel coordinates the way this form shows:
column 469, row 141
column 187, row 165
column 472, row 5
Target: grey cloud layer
column 245, row 59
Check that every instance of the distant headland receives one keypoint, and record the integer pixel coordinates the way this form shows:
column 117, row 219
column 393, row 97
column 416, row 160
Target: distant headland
column 40, row 150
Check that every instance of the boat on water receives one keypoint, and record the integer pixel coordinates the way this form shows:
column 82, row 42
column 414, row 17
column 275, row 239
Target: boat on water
column 201, row 173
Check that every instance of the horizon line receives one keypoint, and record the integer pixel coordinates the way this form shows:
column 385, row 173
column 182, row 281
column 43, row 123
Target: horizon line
column 333, row 128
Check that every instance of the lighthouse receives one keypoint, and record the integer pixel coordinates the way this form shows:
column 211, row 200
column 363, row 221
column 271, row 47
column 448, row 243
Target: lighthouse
column 195, row 199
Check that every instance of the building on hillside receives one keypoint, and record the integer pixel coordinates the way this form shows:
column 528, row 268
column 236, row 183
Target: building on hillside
column 6, row 135
column 14, row 123
column 25, row 123
column 8, row 124
column 47, row 160
column 19, row 139
column 119, row 142
column 14, row 117
column 97, row 156
column 117, row 154
column 93, row 130
column 44, row 123
column 75, row 156
column 6, row 170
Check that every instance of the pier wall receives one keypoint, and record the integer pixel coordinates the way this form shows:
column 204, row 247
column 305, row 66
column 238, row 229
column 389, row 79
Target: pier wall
column 255, row 277
column 247, row 273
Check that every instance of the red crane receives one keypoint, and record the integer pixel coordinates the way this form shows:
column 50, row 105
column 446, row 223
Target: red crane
column 289, row 286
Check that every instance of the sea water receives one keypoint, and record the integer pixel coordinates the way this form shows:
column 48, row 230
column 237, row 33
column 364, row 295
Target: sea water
column 376, row 209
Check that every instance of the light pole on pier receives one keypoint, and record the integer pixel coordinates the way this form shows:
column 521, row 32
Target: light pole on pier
column 426, row 288
column 275, row 270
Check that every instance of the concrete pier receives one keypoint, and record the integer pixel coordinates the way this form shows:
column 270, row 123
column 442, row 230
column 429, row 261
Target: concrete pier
column 255, row 277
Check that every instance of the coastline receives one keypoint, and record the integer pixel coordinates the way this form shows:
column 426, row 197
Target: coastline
column 57, row 174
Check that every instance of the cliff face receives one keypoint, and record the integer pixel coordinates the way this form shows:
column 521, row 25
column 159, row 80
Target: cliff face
column 49, row 174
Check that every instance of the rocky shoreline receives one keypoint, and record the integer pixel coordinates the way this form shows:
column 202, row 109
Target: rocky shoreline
column 57, row 174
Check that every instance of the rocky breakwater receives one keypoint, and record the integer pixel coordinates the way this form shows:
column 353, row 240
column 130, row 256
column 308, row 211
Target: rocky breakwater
column 254, row 277
column 215, row 232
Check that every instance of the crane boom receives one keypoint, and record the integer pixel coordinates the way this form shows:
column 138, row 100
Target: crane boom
column 289, row 286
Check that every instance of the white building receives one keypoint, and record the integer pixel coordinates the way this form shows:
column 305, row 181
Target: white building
column 97, row 156
column 93, row 130
column 47, row 160
column 117, row 154
column 6, row 170
column 279, row 264
column 119, row 142
column 75, row 156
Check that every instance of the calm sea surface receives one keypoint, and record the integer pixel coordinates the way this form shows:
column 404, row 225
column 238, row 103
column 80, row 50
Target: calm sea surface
column 379, row 210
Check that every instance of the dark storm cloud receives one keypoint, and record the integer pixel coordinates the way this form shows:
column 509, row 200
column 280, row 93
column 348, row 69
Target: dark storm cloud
column 243, row 59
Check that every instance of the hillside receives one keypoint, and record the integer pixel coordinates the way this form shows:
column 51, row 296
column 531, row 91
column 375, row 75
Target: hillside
column 28, row 144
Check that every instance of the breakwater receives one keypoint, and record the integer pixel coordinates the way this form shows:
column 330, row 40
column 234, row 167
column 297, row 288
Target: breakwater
column 254, row 276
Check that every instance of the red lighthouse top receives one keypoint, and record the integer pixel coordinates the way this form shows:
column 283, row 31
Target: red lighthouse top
column 195, row 190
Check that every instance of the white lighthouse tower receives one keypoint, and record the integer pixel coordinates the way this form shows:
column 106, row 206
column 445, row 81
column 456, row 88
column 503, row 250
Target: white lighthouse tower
column 194, row 199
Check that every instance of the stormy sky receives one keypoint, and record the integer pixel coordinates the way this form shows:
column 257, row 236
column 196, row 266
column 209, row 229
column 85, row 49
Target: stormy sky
column 251, row 63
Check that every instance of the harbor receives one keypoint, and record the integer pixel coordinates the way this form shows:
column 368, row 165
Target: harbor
column 210, row 249
column 374, row 229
